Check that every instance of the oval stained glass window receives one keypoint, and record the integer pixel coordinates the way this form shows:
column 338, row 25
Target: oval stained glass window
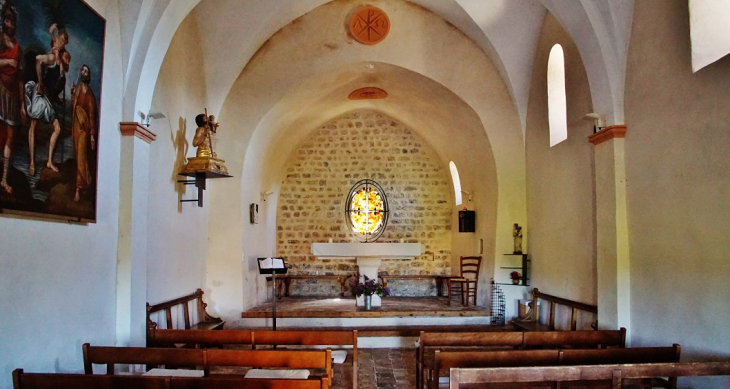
column 366, row 210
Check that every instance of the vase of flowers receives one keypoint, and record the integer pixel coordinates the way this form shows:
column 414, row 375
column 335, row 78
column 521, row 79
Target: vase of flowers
column 367, row 288
column 515, row 276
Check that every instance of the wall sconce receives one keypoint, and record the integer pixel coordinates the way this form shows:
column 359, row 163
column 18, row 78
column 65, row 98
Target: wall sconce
column 151, row 115
column 467, row 193
column 206, row 163
column 596, row 118
column 264, row 195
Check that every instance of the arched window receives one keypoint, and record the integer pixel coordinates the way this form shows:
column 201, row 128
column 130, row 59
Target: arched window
column 457, row 182
column 708, row 20
column 557, row 105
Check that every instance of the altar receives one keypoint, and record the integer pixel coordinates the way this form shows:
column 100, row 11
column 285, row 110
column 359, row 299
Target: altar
column 369, row 256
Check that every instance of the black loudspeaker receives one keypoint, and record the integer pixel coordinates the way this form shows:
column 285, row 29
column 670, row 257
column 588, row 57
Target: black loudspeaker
column 466, row 221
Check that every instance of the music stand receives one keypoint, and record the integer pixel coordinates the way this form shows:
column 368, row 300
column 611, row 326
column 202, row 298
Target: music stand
column 272, row 266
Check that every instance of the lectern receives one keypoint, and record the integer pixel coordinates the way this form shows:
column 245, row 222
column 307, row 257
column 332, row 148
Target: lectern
column 272, row 266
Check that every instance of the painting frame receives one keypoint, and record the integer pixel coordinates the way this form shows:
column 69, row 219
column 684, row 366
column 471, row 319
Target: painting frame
column 50, row 143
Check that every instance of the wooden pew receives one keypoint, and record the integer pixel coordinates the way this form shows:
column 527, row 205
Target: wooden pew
column 261, row 338
column 249, row 383
column 204, row 321
column 199, row 338
column 431, row 341
column 612, row 376
column 22, row 380
column 445, row 360
column 575, row 339
column 532, row 321
column 156, row 357
column 309, row 338
column 292, row 359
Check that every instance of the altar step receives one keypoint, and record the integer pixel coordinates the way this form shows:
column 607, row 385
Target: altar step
column 397, row 323
column 397, row 331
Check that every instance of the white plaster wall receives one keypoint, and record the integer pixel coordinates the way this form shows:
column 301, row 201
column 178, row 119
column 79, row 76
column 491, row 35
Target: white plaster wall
column 560, row 232
column 678, row 177
column 57, row 284
column 178, row 232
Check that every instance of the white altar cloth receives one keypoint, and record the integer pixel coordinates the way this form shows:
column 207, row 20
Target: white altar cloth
column 356, row 250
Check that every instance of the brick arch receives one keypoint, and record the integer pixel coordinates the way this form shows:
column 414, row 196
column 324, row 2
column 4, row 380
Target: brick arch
column 357, row 145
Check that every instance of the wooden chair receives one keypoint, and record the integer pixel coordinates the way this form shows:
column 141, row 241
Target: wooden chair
column 467, row 283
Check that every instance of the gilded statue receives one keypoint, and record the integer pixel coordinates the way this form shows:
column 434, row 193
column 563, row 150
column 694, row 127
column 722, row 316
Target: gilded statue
column 206, row 159
column 203, row 140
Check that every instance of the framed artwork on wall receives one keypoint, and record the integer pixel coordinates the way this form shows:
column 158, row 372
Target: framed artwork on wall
column 51, row 65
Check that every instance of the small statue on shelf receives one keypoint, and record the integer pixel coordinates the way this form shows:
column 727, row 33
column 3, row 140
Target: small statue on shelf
column 517, row 234
column 205, row 160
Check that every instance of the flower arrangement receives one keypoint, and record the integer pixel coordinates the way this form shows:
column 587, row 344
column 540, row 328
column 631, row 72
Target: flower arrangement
column 515, row 275
column 369, row 287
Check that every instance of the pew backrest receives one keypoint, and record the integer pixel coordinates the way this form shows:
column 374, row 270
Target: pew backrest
column 249, row 383
column 201, row 337
column 521, row 358
column 575, row 339
column 22, row 380
column 111, row 356
column 621, row 355
column 261, row 338
column 309, row 338
column 613, row 375
column 203, row 321
column 532, row 321
column 206, row 358
column 431, row 341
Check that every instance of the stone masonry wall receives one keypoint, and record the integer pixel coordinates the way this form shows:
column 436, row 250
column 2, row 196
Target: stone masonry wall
column 355, row 146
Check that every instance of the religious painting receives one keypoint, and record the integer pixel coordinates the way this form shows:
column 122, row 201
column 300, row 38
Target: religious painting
column 51, row 62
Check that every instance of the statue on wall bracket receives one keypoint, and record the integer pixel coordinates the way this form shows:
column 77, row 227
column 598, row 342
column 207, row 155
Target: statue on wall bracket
column 205, row 160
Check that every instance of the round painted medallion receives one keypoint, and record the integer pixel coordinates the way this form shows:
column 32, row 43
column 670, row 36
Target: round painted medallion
column 369, row 25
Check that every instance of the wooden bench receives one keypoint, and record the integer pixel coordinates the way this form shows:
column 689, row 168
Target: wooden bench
column 429, row 342
column 283, row 281
column 256, row 338
column 445, row 360
column 204, row 320
column 22, row 380
column 206, row 358
column 532, row 320
column 439, row 279
column 613, row 375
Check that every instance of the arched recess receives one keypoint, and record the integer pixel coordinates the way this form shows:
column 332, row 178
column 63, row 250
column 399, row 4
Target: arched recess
column 324, row 65
column 413, row 99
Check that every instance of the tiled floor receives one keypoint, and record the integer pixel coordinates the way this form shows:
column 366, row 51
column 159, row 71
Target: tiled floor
column 385, row 368
column 377, row 368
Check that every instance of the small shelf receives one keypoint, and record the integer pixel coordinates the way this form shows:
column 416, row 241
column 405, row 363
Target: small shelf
column 525, row 268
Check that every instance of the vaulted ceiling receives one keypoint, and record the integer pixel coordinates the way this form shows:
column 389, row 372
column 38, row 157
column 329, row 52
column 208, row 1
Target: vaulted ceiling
column 506, row 30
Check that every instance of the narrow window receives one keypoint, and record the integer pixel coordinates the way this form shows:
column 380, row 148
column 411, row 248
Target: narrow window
column 457, row 182
column 708, row 20
column 557, row 105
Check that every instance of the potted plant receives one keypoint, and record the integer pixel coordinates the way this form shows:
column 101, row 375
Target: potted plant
column 515, row 276
column 368, row 287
